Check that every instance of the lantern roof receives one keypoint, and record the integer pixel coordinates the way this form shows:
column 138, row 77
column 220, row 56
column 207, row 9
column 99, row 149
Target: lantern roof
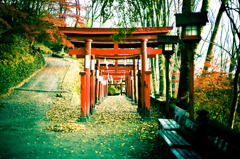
column 168, row 39
column 184, row 19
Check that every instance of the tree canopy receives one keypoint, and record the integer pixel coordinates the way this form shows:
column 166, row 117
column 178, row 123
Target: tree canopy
column 38, row 19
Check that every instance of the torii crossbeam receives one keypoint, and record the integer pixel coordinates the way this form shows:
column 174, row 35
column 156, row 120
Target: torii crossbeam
column 98, row 43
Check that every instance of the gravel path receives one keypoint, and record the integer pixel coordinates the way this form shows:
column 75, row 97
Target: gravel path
column 114, row 131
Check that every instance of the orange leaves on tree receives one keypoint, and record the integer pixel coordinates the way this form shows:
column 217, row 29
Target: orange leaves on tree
column 38, row 18
column 213, row 92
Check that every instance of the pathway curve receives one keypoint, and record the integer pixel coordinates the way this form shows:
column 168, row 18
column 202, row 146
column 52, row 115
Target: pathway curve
column 114, row 131
column 48, row 79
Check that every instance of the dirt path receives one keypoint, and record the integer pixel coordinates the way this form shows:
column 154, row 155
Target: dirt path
column 50, row 78
column 114, row 131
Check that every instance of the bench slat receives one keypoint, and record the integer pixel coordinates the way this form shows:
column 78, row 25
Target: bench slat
column 173, row 139
column 185, row 153
column 168, row 124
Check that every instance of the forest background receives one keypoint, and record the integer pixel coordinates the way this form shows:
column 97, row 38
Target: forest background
column 28, row 28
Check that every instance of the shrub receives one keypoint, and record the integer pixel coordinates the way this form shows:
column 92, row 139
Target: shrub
column 113, row 89
column 214, row 93
column 18, row 60
column 43, row 49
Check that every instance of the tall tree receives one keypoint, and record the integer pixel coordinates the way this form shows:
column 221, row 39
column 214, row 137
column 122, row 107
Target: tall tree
column 35, row 18
column 183, row 89
column 153, row 68
column 213, row 38
column 236, row 93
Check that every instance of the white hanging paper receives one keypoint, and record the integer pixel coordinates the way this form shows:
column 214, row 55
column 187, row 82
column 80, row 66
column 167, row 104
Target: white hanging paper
column 87, row 61
column 97, row 74
column 92, row 64
column 139, row 65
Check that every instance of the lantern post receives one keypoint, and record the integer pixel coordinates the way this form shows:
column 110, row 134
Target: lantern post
column 168, row 43
column 191, row 24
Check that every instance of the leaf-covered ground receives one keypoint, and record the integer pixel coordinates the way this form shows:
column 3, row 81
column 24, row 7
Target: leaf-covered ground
column 115, row 131
column 46, row 125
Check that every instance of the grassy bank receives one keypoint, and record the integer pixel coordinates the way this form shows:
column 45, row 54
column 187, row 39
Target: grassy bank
column 18, row 60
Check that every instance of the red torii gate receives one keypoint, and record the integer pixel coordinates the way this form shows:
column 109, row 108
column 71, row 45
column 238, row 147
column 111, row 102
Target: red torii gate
column 98, row 43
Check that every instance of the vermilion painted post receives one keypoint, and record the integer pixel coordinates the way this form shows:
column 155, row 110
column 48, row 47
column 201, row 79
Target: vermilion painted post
column 104, row 87
column 92, row 85
column 132, row 86
column 147, row 93
column 107, row 88
column 129, row 86
column 100, row 90
column 126, row 86
column 135, row 81
column 121, row 88
column 83, row 97
column 87, row 70
column 139, row 110
column 97, row 82
column 144, row 69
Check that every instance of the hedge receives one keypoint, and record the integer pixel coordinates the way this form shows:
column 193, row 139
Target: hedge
column 18, row 61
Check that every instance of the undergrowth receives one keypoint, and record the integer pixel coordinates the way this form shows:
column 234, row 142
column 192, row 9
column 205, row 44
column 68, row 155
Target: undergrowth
column 18, row 60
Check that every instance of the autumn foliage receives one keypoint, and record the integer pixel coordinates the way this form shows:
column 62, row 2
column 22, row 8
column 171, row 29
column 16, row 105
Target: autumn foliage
column 213, row 92
column 38, row 19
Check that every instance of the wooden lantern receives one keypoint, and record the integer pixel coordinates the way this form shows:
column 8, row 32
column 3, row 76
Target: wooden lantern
column 168, row 43
column 191, row 24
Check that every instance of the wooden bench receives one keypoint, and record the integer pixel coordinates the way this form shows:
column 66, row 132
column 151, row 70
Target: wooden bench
column 168, row 124
column 222, row 143
column 173, row 139
column 172, row 124
column 184, row 153
column 173, row 130
column 189, row 138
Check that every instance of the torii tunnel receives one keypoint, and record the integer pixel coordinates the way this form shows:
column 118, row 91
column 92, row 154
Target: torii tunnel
column 95, row 44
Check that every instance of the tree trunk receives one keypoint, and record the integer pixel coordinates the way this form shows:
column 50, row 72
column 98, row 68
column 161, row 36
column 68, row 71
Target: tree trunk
column 236, row 95
column 153, row 66
column 213, row 38
column 205, row 5
column 232, row 57
column 184, row 82
column 174, row 82
column 161, row 75
column 232, row 66
column 164, row 14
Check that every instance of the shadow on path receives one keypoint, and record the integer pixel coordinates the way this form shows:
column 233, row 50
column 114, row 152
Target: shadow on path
column 114, row 131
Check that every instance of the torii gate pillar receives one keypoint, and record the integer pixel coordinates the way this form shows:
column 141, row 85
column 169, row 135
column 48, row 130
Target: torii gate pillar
column 83, row 97
column 87, row 70
column 139, row 109
column 97, row 82
column 144, row 83
column 135, row 81
column 92, row 82
column 132, row 86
